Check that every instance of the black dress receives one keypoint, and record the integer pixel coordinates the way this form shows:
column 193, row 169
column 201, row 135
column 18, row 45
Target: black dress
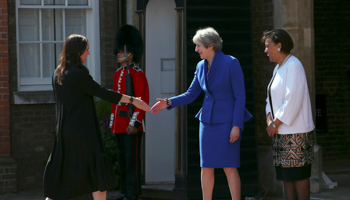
column 79, row 163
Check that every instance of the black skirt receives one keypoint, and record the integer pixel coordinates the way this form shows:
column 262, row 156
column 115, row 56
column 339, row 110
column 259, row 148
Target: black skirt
column 293, row 173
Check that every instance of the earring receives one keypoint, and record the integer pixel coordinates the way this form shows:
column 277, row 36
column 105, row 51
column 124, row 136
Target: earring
column 278, row 49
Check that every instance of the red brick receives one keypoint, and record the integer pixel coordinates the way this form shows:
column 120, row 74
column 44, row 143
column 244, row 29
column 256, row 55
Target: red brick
column 4, row 90
column 4, row 54
column 4, row 36
column 3, row 17
column 3, row 77
column 6, row 121
column 2, row 103
column 3, row 42
column 5, row 73
column 5, row 133
column 4, row 48
column 3, row 4
column 4, row 61
column 5, row 152
column 5, row 84
column 4, row 11
column 4, row 139
column 6, row 145
column 4, row 23
column 4, row 114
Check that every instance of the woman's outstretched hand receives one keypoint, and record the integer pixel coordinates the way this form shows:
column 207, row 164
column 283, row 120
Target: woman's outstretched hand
column 141, row 104
column 159, row 106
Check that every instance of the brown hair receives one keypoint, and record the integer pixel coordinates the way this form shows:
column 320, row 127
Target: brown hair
column 73, row 48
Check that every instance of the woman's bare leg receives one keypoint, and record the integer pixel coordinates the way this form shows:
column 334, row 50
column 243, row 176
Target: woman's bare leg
column 208, row 179
column 98, row 195
column 234, row 182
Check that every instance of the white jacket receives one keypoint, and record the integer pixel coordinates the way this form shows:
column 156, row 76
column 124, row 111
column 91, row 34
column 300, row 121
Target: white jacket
column 290, row 98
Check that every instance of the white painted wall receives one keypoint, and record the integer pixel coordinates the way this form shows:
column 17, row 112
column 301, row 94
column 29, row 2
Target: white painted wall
column 160, row 128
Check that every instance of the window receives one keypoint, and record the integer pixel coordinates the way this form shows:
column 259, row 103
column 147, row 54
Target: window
column 43, row 26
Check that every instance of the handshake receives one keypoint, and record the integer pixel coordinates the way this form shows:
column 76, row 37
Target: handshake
column 137, row 102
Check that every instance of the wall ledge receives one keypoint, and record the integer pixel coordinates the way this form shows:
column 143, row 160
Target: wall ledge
column 36, row 97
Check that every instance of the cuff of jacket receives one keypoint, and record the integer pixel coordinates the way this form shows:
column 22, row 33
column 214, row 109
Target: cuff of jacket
column 134, row 123
column 133, row 120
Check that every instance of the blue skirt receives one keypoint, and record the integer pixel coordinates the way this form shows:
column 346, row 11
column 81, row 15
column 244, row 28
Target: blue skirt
column 216, row 151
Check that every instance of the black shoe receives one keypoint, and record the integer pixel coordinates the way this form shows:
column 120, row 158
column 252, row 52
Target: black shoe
column 118, row 197
column 131, row 198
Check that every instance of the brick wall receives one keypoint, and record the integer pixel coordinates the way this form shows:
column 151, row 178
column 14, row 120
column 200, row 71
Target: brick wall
column 8, row 177
column 108, row 27
column 8, row 166
column 31, row 125
column 31, row 141
column 4, row 83
column 262, row 19
column 332, row 71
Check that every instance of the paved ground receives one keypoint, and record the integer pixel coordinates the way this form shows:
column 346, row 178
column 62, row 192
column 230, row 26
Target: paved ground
column 337, row 171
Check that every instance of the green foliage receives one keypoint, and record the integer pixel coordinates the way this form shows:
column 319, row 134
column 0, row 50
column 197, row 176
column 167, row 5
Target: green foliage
column 102, row 108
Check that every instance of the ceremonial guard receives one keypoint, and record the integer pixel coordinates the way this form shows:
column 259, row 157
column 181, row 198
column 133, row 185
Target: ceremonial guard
column 126, row 120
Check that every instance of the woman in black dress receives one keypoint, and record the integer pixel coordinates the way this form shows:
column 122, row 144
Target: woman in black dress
column 79, row 163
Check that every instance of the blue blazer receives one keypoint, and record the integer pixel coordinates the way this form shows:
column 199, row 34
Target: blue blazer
column 224, row 100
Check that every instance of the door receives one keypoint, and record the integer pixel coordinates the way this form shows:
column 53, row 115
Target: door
column 160, row 71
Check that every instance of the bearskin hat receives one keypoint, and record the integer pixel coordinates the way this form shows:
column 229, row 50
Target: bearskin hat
column 128, row 35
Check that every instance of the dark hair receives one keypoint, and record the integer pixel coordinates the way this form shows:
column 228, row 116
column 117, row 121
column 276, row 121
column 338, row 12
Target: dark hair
column 279, row 36
column 73, row 48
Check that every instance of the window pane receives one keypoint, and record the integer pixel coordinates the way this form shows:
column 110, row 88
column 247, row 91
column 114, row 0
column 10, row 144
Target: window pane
column 51, row 54
column 30, row 2
column 29, row 60
column 52, row 24
column 28, row 22
column 59, row 48
column 77, row 2
column 54, row 2
column 59, row 25
column 75, row 22
column 48, row 25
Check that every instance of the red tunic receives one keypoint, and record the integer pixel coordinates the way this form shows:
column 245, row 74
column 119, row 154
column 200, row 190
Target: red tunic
column 118, row 123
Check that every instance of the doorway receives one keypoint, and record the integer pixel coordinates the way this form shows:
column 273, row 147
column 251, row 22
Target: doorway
column 160, row 72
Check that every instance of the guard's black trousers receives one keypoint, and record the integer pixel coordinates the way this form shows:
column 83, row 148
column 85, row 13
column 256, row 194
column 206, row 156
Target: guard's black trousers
column 129, row 162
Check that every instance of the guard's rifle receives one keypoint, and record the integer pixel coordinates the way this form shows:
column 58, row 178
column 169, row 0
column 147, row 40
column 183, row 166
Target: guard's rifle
column 129, row 87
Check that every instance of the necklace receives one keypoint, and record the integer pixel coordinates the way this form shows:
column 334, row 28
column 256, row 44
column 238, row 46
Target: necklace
column 285, row 60
column 208, row 66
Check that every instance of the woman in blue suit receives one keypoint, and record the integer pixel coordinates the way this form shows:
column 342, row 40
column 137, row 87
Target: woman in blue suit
column 222, row 114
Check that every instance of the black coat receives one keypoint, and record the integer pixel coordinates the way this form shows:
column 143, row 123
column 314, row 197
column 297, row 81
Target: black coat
column 79, row 162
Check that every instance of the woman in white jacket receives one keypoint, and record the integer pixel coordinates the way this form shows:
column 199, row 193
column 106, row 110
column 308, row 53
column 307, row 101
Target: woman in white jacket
column 289, row 116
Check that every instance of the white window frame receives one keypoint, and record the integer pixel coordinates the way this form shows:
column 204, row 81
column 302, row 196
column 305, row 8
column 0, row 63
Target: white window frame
column 92, row 34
